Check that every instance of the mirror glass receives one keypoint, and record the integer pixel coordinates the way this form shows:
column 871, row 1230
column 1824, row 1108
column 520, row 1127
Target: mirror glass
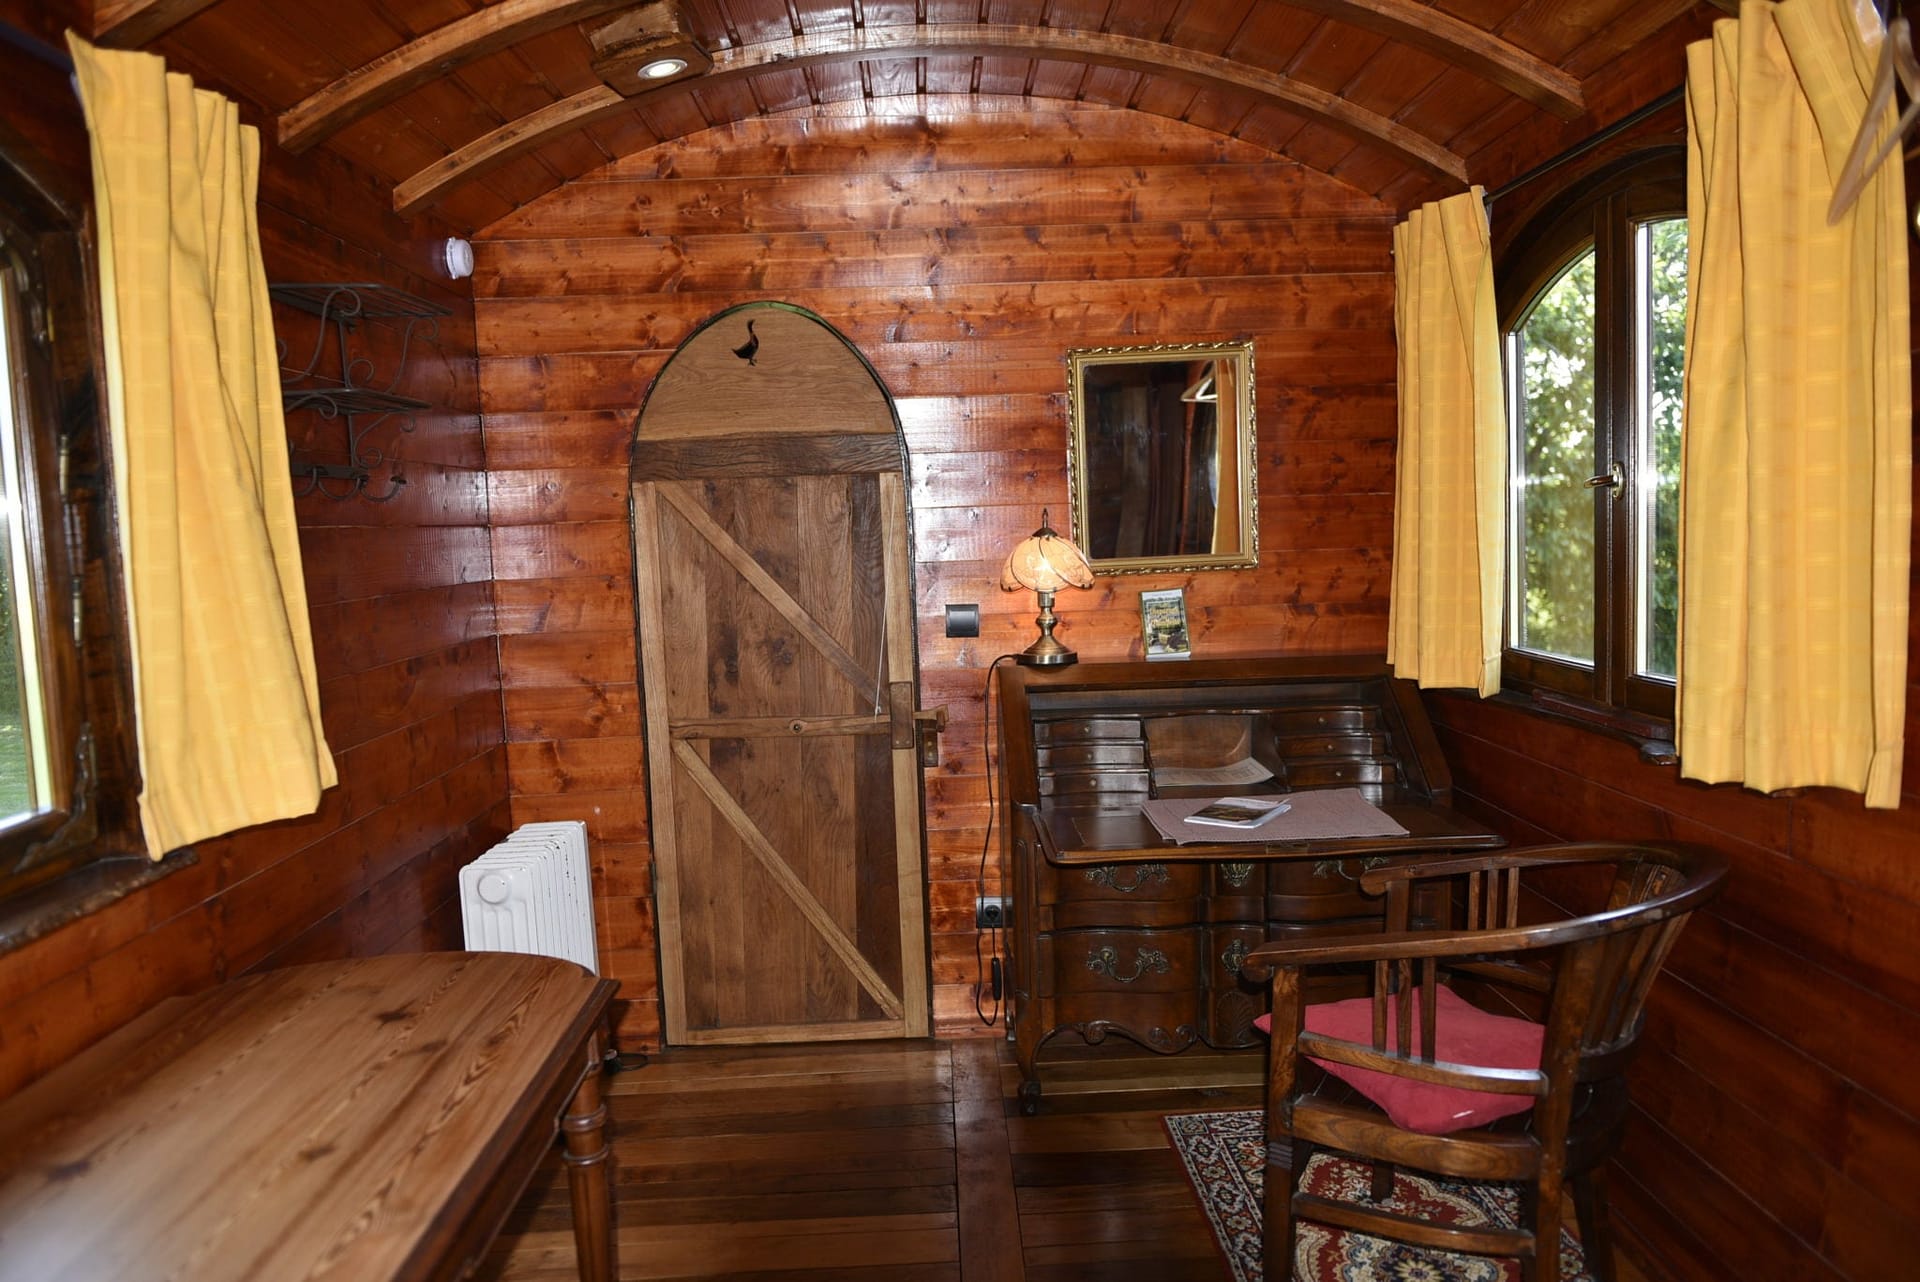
column 1161, row 457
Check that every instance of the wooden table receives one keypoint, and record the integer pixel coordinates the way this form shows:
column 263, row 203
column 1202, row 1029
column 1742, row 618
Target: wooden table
column 358, row 1120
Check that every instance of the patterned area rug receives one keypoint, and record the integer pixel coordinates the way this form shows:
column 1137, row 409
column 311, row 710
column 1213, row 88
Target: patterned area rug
column 1224, row 1154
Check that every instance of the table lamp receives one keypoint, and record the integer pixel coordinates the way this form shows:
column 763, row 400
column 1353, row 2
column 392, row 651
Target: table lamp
column 1045, row 563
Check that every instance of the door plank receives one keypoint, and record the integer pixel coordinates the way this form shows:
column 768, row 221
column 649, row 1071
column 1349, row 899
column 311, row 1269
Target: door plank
column 733, row 456
column 777, row 727
column 816, row 913
column 906, row 760
column 651, row 599
column 749, row 569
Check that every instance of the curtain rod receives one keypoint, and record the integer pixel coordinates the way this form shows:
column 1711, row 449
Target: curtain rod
column 1586, row 145
column 35, row 47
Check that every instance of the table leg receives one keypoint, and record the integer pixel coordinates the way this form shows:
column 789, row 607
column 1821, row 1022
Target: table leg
column 589, row 1158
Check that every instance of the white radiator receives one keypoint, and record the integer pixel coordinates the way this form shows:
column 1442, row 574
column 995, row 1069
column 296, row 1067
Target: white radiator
column 532, row 893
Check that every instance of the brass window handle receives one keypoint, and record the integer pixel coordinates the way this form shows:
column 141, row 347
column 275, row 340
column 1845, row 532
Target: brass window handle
column 1615, row 477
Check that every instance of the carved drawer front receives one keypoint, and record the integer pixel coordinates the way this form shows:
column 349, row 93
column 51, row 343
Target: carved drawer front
column 1167, row 1022
column 1123, row 895
column 1226, row 951
column 1320, row 890
column 1235, row 891
column 1121, row 961
column 1231, row 1003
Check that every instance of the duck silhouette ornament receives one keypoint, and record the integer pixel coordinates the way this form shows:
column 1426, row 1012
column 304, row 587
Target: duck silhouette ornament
column 749, row 349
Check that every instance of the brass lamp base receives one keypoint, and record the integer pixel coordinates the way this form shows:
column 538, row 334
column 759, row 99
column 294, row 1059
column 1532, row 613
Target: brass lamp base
column 1046, row 652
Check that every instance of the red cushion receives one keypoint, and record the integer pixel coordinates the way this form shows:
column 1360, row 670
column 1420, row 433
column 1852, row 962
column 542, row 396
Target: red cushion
column 1463, row 1034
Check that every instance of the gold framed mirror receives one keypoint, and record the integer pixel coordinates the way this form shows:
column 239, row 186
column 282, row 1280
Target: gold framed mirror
column 1160, row 458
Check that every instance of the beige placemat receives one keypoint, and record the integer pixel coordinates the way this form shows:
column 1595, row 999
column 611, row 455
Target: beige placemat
column 1317, row 814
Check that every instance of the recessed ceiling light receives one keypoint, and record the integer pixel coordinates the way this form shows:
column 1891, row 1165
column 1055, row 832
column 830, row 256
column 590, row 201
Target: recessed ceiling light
column 661, row 68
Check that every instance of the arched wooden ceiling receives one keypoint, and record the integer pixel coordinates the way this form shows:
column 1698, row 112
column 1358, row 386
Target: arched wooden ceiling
column 472, row 109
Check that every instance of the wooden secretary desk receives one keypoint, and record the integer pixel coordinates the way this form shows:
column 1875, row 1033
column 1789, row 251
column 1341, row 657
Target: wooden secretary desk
column 1118, row 930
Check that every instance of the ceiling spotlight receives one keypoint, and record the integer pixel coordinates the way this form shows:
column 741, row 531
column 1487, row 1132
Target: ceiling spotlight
column 647, row 47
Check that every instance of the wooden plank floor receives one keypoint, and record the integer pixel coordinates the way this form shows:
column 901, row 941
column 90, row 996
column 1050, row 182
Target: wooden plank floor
column 904, row 1161
column 896, row 1162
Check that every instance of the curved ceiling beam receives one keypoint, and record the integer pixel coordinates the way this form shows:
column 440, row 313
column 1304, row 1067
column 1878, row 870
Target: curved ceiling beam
column 1041, row 43
column 128, row 24
column 328, row 110
column 1462, row 44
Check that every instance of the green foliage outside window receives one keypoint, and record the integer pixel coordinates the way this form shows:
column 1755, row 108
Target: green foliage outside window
column 16, row 780
column 1554, row 508
column 1557, row 451
column 21, row 725
column 1666, row 303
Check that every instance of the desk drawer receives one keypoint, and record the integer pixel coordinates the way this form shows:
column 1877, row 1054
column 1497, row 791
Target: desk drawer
column 1051, row 734
column 1134, row 782
column 1329, row 772
column 1094, row 754
column 1126, row 896
column 1291, row 747
column 1119, row 961
column 1319, row 890
column 1347, row 719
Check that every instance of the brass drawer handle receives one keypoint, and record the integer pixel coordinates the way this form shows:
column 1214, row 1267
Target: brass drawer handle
column 1107, row 875
column 1338, row 867
column 1146, row 961
column 1235, row 955
column 1236, row 874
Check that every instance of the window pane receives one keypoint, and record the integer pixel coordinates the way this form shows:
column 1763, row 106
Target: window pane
column 1552, row 357
column 22, row 737
column 1660, row 331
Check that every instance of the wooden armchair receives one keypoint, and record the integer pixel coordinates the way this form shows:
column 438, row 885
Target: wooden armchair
column 1535, row 1096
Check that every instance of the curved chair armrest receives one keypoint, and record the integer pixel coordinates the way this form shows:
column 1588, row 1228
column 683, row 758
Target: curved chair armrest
column 1403, row 946
column 1375, row 881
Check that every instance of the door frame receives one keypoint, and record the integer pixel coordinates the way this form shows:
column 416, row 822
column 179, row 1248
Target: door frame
column 880, row 450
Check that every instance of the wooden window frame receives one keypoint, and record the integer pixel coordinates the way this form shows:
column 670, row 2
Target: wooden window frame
column 86, row 849
column 1603, row 211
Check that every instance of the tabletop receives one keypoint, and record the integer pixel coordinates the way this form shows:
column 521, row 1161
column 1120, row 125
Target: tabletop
column 346, row 1120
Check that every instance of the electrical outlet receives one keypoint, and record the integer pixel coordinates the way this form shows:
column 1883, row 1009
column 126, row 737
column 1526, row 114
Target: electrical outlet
column 990, row 911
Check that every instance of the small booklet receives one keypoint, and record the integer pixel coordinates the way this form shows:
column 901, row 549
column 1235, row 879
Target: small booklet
column 1237, row 812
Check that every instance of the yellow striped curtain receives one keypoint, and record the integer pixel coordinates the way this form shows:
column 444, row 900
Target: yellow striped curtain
column 1796, row 489
column 226, row 700
column 1449, row 515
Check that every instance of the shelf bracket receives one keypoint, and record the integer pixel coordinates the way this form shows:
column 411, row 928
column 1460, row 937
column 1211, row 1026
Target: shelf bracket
column 345, row 389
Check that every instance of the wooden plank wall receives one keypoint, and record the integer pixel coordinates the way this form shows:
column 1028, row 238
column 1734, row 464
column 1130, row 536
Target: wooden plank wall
column 402, row 619
column 963, row 255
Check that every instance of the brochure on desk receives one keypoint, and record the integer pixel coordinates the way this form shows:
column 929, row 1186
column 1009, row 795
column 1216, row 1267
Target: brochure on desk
column 1318, row 814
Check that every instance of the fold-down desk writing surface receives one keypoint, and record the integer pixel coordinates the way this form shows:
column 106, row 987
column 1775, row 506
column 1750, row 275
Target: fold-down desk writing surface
column 1080, row 835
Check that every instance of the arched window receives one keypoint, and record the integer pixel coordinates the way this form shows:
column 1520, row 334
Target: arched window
column 1593, row 301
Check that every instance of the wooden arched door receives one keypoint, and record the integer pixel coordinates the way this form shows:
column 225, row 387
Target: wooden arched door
column 777, row 657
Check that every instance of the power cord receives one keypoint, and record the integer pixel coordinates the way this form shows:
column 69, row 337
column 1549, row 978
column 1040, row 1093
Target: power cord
column 989, row 977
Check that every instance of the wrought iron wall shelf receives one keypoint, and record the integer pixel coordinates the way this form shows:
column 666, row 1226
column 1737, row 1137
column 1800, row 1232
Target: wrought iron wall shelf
column 347, row 391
